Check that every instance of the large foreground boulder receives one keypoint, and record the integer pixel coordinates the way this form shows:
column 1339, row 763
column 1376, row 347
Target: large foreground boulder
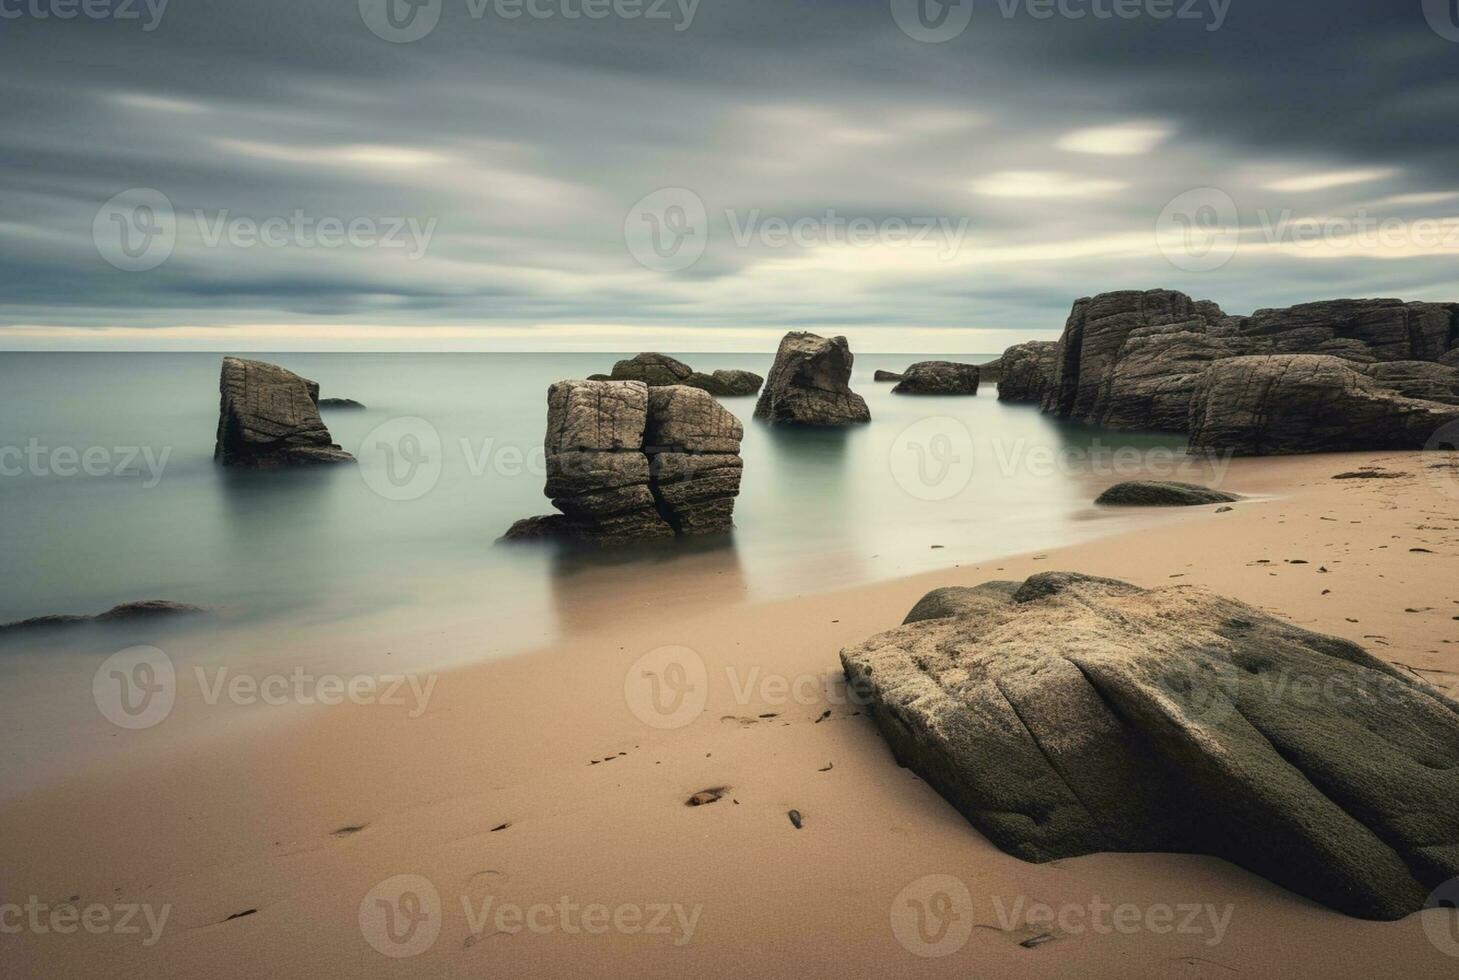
column 1070, row 715
column 626, row 462
column 1162, row 493
column 809, row 384
column 1026, row 371
column 1306, row 403
column 939, row 378
column 657, row 370
column 269, row 417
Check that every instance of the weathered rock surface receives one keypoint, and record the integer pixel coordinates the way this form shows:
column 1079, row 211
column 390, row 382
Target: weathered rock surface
column 1026, row 370
column 1306, row 403
column 269, row 417
column 809, row 384
column 627, row 462
column 1135, row 360
column 1074, row 715
column 1162, row 493
column 656, row 370
column 126, row 612
column 339, row 403
column 939, row 378
column 734, row 383
column 880, row 375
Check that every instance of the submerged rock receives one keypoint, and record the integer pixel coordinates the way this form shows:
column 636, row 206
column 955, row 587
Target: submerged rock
column 1163, row 493
column 886, row 376
column 939, row 378
column 809, row 384
column 627, row 462
column 269, row 417
column 126, row 612
column 1027, row 370
column 1074, row 715
column 339, row 403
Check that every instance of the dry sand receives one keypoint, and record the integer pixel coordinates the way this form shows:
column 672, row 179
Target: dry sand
column 294, row 823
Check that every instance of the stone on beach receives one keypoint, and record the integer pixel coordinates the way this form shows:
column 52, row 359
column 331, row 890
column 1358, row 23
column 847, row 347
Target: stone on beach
column 269, row 417
column 1074, row 715
column 1163, row 493
column 809, row 384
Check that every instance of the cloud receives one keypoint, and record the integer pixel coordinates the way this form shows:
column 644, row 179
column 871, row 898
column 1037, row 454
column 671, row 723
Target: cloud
column 1125, row 139
column 1304, row 183
column 1044, row 184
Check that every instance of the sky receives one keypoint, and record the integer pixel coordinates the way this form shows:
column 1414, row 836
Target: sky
column 692, row 175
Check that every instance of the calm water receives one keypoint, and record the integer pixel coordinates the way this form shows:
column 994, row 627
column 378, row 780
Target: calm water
column 458, row 459
column 109, row 494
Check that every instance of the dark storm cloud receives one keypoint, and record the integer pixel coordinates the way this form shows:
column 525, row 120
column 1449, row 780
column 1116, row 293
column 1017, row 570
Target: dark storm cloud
column 1040, row 149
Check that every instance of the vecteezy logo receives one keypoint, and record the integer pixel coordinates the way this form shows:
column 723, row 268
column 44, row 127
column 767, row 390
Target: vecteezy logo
column 136, row 230
column 1443, row 17
column 135, row 688
column 932, row 21
column 400, row 21
column 667, row 687
column 1203, row 695
column 401, row 459
column 933, row 459
column 401, row 916
column 1200, row 230
column 667, row 230
column 1441, row 463
column 933, row 916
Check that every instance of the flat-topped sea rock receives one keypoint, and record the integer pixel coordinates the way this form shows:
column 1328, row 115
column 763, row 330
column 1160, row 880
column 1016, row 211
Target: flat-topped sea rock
column 1071, row 715
column 880, row 375
column 343, row 403
column 809, row 384
column 1162, row 493
column 628, row 462
column 939, row 378
column 269, row 417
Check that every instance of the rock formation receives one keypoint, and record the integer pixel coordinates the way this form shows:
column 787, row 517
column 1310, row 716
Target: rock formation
column 627, row 462
column 339, row 403
column 1026, row 371
column 939, row 378
column 657, row 370
column 1069, row 715
column 886, row 376
column 269, row 417
column 126, row 612
column 1135, row 360
column 1162, row 493
column 1308, row 403
column 809, row 384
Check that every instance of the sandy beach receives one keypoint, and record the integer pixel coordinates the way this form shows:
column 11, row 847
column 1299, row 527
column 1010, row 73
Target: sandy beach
column 538, row 803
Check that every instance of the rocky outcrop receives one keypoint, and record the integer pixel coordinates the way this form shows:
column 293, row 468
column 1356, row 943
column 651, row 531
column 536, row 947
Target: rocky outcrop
column 1306, row 403
column 1026, row 371
column 627, row 462
column 939, row 378
column 809, row 384
column 339, row 403
column 124, row 613
column 886, row 376
column 657, row 370
column 1071, row 715
column 1162, row 493
column 1134, row 360
column 269, row 417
